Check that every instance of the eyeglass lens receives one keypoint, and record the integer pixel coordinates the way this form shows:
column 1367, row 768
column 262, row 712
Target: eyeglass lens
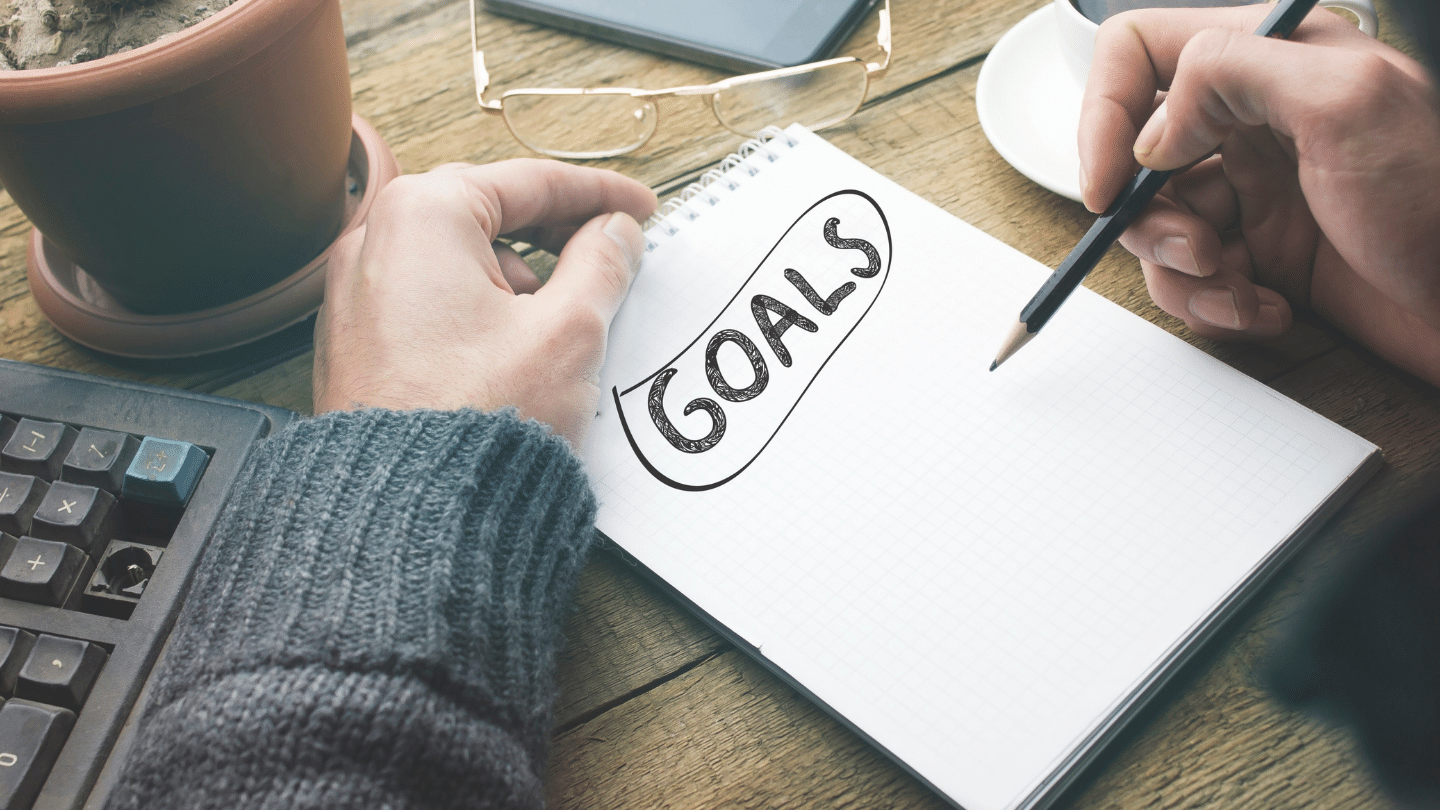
column 815, row 98
column 579, row 126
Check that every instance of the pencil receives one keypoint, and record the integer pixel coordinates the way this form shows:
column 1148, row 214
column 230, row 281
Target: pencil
column 1127, row 206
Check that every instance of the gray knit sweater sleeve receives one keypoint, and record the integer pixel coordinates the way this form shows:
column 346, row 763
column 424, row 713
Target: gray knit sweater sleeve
column 376, row 623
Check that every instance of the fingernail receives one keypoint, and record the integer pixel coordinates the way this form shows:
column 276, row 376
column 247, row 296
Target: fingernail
column 1084, row 184
column 1216, row 306
column 624, row 231
column 1150, row 134
column 1174, row 252
column 1267, row 321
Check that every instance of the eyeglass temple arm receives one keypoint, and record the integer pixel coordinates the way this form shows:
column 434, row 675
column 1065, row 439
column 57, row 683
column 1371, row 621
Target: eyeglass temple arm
column 482, row 76
column 882, row 37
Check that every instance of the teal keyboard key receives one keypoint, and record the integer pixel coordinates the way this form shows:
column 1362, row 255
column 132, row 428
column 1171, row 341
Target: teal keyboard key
column 164, row 472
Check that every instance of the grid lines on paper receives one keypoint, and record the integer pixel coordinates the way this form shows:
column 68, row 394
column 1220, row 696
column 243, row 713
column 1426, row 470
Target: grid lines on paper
column 970, row 568
column 853, row 606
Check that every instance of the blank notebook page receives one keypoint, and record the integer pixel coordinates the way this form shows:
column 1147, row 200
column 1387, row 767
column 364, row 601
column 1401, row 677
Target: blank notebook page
column 973, row 568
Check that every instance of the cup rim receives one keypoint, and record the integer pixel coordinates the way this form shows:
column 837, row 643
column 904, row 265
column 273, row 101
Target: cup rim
column 1075, row 15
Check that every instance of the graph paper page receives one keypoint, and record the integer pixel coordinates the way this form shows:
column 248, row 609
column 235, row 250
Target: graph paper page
column 973, row 568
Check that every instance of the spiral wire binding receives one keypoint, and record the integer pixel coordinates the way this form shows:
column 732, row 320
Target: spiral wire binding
column 761, row 144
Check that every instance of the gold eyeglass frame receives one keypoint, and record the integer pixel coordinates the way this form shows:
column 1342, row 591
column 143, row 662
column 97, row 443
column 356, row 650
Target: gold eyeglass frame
column 497, row 107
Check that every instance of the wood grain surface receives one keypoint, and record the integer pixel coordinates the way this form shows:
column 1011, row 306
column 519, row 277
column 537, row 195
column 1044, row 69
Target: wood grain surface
column 657, row 711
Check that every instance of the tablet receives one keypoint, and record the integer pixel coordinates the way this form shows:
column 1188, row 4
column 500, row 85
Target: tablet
column 740, row 35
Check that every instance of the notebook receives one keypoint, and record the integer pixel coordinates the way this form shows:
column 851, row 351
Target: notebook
column 984, row 574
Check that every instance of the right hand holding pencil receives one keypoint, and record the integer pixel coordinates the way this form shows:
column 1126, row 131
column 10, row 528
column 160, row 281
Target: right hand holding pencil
column 1317, row 184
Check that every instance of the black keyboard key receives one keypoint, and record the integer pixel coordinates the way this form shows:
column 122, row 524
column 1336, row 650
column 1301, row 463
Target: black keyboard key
column 38, row 448
column 31, row 736
column 60, row 671
column 7, row 429
column 40, row 570
column 15, row 647
column 20, row 495
column 164, row 472
column 75, row 514
column 99, row 458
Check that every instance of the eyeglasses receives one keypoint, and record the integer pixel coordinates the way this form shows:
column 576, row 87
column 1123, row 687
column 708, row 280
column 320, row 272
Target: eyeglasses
column 598, row 122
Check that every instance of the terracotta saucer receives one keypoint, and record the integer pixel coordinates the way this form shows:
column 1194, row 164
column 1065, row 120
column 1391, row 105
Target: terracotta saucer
column 82, row 311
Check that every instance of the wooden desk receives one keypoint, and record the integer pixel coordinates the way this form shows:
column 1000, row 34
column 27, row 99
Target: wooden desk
column 657, row 711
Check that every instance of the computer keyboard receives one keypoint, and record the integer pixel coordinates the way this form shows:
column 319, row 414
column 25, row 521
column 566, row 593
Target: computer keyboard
column 109, row 491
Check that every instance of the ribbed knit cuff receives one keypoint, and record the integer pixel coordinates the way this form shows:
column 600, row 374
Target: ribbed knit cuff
column 385, row 591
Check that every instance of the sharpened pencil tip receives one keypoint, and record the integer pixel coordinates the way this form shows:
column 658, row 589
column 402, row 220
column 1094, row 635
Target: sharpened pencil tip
column 1020, row 334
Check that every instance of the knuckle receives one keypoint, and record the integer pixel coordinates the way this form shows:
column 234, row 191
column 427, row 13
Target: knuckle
column 1197, row 91
column 437, row 194
column 1365, row 69
column 404, row 186
column 1360, row 90
column 412, row 194
column 579, row 322
column 1209, row 55
column 485, row 210
column 452, row 167
column 1367, row 73
column 1207, row 48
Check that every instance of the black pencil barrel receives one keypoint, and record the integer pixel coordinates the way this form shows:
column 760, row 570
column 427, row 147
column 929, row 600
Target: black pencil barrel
column 1284, row 18
column 1126, row 208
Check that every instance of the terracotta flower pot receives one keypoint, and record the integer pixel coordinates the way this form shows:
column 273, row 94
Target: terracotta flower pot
column 196, row 170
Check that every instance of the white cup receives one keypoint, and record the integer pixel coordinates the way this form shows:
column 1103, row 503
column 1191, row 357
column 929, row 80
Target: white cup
column 1077, row 32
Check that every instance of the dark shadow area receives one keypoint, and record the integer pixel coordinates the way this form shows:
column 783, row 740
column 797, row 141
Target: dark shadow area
column 232, row 364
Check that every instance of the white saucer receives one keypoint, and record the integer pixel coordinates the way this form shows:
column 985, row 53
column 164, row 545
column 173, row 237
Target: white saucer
column 1029, row 104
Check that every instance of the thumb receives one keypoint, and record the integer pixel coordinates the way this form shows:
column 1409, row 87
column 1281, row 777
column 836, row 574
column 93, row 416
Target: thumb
column 598, row 264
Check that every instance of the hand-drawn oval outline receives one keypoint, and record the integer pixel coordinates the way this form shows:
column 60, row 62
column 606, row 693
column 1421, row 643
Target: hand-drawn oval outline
column 616, row 393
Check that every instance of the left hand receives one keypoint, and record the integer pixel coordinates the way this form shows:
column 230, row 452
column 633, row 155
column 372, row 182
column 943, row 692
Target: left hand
column 423, row 310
